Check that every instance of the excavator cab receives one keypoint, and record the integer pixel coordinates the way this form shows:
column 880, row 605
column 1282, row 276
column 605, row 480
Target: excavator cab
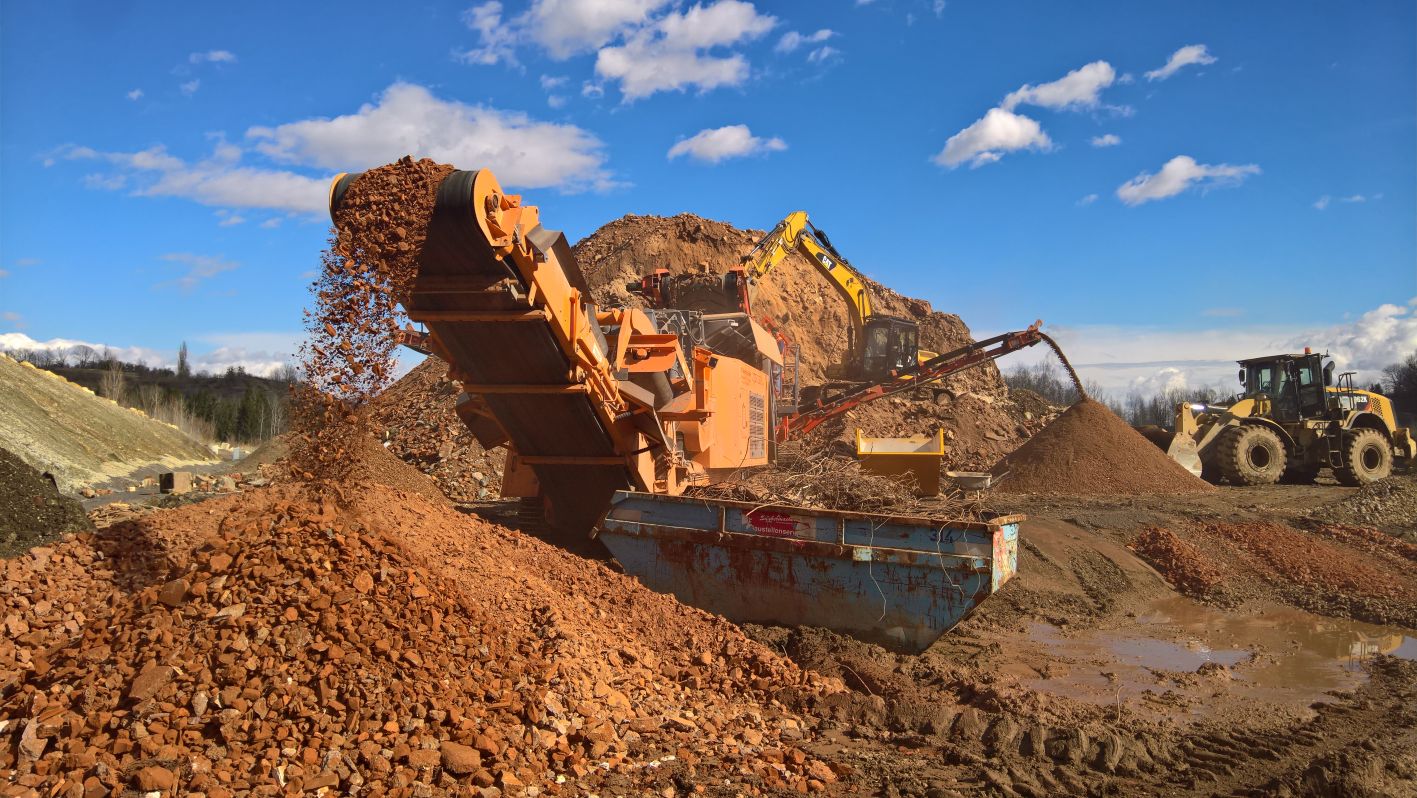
column 891, row 344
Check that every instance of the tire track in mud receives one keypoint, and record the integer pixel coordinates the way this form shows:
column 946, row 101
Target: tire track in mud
column 1362, row 744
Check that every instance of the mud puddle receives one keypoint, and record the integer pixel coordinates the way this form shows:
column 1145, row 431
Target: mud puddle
column 1182, row 656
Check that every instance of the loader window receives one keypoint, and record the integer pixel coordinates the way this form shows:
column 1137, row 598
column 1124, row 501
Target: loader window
column 1261, row 379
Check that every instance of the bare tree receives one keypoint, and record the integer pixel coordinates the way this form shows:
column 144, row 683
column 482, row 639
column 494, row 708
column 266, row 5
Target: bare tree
column 150, row 399
column 113, row 383
column 275, row 414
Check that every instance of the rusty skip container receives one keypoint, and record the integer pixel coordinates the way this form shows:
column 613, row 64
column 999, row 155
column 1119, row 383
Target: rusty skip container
column 894, row 580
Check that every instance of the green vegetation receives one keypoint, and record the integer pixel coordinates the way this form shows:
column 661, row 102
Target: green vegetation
column 231, row 407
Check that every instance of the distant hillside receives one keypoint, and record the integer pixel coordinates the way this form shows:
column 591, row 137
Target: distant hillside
column 234, row 406
column 79, row 438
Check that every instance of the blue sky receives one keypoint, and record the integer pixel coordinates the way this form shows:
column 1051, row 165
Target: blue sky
column 1170, row 186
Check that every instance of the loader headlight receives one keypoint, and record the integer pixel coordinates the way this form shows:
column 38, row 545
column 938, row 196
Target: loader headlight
column 1198, row 408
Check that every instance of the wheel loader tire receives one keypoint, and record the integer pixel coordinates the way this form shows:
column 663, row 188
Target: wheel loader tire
column 1250, row 455
column 1367, row 457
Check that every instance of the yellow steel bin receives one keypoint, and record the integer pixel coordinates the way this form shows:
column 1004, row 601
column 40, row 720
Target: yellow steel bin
column 919, row 456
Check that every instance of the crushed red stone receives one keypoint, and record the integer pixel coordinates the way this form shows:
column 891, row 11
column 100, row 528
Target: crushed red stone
column 365, row 273
column 1184, row 566
column 416, row 417
column 1311, row 561
column 1089, row 450
column 390, row 644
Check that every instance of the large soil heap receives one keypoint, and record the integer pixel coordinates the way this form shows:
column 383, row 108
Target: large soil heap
column 980, row 422
column 416, row 416
column 1088, row 450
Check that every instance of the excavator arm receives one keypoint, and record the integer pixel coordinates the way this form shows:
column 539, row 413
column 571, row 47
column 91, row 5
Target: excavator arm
column 796, row 232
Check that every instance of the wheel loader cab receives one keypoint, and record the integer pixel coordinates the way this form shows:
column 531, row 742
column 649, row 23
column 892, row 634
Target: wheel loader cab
column 891, row 344
column 1293, row 384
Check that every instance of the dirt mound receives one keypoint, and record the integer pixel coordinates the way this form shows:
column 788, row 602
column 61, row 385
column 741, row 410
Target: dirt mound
column 1389, row 504
column 393, row 643
column 64, row 429
column 1184, row 566
column 372, row 462
column 31, row 508
column 1089, row 450
column 418, row 419
column 977, row 413
column 795, row 296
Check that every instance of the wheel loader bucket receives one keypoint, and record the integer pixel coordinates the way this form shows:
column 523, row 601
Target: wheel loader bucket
column 1183, row 450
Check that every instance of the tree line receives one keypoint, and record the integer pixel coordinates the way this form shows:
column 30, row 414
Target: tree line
column 233, row 406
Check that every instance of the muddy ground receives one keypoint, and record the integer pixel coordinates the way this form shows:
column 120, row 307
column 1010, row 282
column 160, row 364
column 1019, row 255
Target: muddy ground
column 1293, row 673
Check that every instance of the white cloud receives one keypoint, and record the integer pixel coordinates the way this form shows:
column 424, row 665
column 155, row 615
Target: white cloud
column 1223, row 312
column 409, row 119
column 212, row 57
column 549, row 82
column 15, row 319
column 199, row 268
column 405, row 119
column 1376, row 339
column 674, row 52
column 1088, row 200
column 988, row 139
column 1190, row 54
column 821, row 54
column 229, row 219
column 792, row 40
column 190, row 87
column 939, row 7
column 556, row 100
column 497, row 40
column 1179, row 174
column 717, row 144
column 218, row 181
column 561, row 28
column 1079, row 89
column 1323, row 202
column 569, row 27
column 592, row 90
column 271, row 223
column 4, row 273
column 135, row 95
column 1106, row 140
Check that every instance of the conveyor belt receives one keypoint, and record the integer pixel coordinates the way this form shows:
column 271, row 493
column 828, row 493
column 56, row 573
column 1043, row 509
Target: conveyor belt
column 460, row 277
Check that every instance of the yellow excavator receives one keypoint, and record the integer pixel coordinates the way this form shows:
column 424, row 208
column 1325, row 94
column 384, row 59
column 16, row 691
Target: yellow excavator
column 878, row 346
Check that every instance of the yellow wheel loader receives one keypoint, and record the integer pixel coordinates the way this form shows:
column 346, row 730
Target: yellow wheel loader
column 1291, row 422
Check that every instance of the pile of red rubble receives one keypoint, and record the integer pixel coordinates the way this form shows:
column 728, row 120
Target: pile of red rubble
column 416, row 417
column 379, row 645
